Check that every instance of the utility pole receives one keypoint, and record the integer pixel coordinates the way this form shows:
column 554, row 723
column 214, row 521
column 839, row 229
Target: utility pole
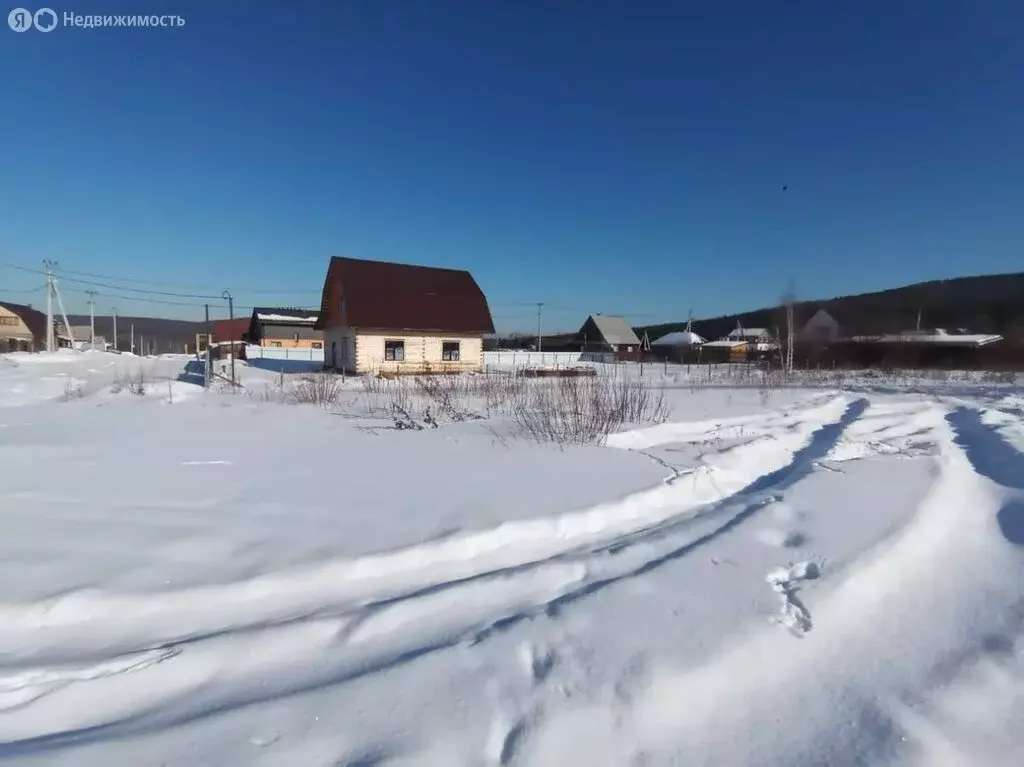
column 92, row 318
column 49, row 307
column 209, row 352
column 114, row 312
column 231, row 346
column 540, row 307
column 52, row 289
column 790, row 331
column 132, row 341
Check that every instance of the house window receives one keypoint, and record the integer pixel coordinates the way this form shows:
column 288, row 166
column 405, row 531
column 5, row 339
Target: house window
column 318, row 345
column 275, row 343
column 12, row 321
column 394, row 351
column 450, row 351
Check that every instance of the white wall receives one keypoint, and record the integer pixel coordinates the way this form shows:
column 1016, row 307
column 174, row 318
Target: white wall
column 421, row 348
column 490, row 359
column 515, row 359
column 344, row 341
column 284, row 353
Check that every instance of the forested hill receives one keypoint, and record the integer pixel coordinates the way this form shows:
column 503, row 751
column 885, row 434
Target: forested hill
column 161, row 335
column 983, row 304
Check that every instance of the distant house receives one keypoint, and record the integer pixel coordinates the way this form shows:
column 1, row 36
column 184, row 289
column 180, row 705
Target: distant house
column 378, row 316
column 22, row 328
column 924, row 348
column 609, row 334
column 933, row 337
column 750, row 335
column 84, row 338
column 231, row 335
column 282, row 328
column 821, row 328
column 726, row 350
column 679, row 338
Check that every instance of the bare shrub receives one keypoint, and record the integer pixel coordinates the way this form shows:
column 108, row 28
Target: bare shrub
column 404, row 421
column 323, row 389
column 586, row 410
column 137, row 384
column 72, row 389
column 387, row 396
column 269, row 393
column 453, row 396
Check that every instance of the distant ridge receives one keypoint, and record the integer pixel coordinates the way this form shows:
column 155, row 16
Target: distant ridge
column 991, row 303
column 164, row 335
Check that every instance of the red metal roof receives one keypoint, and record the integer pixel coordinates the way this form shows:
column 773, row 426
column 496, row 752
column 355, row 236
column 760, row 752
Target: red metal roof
column 388, row 296
column 230, row 330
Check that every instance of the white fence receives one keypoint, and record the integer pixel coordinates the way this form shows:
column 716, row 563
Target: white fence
column 515, row 359
column 284, row 353
column 508, row 359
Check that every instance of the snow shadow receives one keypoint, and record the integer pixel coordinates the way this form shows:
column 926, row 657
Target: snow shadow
column 750, row 500
column 194, row 373
column 286, row 366
column 1011, row 522
column 994, row 458
column 991, row 455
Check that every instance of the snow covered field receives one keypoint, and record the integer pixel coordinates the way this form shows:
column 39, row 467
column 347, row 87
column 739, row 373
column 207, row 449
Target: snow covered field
column 771, row 576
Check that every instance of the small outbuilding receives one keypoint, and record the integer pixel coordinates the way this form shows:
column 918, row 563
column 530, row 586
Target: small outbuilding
column 284, row 328
column 605, row 333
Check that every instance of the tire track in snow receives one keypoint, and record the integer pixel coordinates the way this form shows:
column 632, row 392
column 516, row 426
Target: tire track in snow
column 378, row 637
column 277, row 661
column 85, row 624
column 22, row 687
column 906, row 611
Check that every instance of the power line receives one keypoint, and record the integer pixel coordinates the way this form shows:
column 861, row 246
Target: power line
column 203, row 297
column 160, row 283
column 252, row 291
column 163, row 302
column 21, row 292
column 146, row 291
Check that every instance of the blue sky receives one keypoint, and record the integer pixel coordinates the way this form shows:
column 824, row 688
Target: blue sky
column 598, row 156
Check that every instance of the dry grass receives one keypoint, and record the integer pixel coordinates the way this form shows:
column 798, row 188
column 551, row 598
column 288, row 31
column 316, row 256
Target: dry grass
column 571, row 410
column 320, row 389
column 135, row 382
column 72, row 389
column 559, row 410
column 698, row 376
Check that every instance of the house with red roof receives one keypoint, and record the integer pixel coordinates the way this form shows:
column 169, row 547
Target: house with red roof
column 385, row 317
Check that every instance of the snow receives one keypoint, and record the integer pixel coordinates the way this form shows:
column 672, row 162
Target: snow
column 679, row 338
column 822, row 573
column 287, row 318
column 937, row 336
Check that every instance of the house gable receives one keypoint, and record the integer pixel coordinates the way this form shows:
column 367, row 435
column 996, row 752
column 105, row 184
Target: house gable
column 607, row 331
column 382, row 295
column 821, row 327
column 22, row 322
